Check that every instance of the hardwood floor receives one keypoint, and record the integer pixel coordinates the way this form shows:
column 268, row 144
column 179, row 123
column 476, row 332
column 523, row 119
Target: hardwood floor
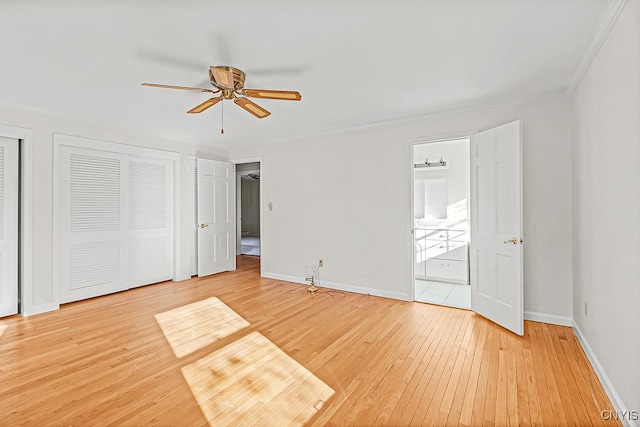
column 106, row 361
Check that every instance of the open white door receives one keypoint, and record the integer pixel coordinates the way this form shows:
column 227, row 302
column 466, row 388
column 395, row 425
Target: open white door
column 8, row 226
column 216, row 217
column 496, row 226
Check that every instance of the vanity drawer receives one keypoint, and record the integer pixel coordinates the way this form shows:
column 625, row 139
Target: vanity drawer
column 447, row 269
column 457, row 252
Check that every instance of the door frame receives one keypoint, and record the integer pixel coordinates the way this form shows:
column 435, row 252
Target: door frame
column 443, row 138
column 239, row 206
column 25, row 232
column 240, row 161
column 412, row 143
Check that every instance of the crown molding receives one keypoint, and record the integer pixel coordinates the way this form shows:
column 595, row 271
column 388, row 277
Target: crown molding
column 447, row 111
column 605, row 23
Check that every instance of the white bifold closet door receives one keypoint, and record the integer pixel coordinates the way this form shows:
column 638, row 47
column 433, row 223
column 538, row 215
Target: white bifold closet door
column 8, row 226
column 115, row 222
column 150, row 221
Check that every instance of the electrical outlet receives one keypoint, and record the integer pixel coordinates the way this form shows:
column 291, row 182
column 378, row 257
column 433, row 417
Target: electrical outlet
column 321, row 262
column 586, row 309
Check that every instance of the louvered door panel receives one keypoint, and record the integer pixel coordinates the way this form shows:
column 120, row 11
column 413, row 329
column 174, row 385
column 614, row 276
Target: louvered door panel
column 150, row 219
column 8, row 226
column 92, row 224
column 94, row 264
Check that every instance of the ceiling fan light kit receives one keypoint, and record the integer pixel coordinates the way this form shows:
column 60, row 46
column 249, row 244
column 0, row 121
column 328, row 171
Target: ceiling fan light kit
column 229, row 83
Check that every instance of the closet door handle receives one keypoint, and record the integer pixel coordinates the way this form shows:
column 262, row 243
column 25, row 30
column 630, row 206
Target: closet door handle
column 514, row 241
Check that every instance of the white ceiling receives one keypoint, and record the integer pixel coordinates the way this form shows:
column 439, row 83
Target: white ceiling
column 355, row 63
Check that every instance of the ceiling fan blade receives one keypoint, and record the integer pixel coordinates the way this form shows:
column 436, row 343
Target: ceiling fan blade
column 286, row 95
column 199, row 89
column 222, row 77
column 206, row 104
column 252, row 107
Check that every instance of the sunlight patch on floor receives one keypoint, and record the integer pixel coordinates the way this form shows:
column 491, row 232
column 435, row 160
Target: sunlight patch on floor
column 252, row 381
column 3, row 328
column 197, row 325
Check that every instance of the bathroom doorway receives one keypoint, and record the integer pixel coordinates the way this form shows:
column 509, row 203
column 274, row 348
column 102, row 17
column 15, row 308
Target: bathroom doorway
column 441, row 184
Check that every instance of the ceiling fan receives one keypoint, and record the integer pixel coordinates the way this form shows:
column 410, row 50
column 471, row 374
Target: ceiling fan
column 229, row 83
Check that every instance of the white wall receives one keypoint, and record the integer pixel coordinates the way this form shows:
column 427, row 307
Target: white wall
column 42, row 295
column 346, row 198
column 606, row 206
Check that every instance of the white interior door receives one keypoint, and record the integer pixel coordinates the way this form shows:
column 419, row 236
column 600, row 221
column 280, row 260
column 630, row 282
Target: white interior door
column 496, row 226
column 8, row 226
column 216, row 217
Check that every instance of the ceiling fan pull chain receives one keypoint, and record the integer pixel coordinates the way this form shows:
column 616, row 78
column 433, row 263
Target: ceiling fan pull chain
column 222, row 123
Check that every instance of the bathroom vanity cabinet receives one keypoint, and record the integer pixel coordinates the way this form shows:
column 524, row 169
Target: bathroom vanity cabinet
column 442, row 254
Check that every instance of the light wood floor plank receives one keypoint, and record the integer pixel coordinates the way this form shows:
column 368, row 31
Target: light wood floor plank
column 541, row 376
column 409, row 337
column 106, row 361
column 524, row 399
column 399, row 383
column 404, row 411
column 445, row 371
column 476, row 415
column 469, row 397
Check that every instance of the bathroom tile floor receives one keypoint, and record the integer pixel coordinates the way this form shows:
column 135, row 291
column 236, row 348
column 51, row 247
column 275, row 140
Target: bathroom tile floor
column 443, row 293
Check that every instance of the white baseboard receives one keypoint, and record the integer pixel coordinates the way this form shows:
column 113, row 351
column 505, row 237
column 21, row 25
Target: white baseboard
column 341, row 287
column 33, row 310
column 528, row 315
column 548, row 318
column 602, row 375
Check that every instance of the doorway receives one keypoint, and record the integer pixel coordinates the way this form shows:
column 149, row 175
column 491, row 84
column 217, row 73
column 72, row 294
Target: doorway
column 485, row 227
column 248, row 190
column 441, row 184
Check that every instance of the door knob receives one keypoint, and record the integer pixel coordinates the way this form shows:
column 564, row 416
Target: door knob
column 204, row 225
column 514, row 241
